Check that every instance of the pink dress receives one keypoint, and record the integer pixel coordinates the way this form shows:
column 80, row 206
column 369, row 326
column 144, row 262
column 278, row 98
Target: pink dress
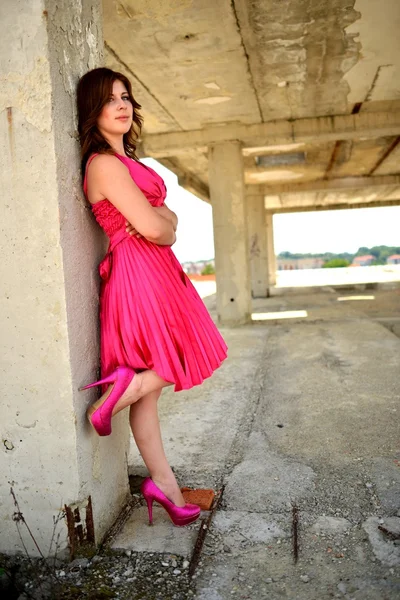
column 151, row 316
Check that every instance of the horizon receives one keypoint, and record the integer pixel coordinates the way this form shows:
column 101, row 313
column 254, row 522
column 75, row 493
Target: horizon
column 368, row 248
column 317, row 255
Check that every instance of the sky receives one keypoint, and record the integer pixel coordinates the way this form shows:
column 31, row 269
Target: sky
column 314, row 232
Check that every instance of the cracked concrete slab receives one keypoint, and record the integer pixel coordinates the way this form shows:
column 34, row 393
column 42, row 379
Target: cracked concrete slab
column 330, row 525
column 384, row 548
column 337, row 561
column 325, row 386
column 302, row 415
column 385, row 475
column 266, row 574
column 236, row 526
column 266, row 479
column 323, row 412
column 161, row 537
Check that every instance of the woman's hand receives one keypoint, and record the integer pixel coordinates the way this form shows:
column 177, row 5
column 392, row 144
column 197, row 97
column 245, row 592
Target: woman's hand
column 131, row 230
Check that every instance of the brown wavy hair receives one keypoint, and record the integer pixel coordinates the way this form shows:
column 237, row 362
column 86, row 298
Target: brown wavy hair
column 94, row 90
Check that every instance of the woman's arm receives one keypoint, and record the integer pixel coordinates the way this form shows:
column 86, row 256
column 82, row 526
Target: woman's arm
column 164, row 211
column 110, row 178
column 168, row 214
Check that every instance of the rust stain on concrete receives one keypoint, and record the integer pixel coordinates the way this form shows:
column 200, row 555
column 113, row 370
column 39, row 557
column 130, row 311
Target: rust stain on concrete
column 80, row 531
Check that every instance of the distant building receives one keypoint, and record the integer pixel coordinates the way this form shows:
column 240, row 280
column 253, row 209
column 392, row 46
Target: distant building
column 393, row 260
column 363, row 261
column 285, row 264
column 195, row 268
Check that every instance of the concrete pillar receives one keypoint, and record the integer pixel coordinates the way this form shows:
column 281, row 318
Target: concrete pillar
column 50, row 248
column 258, row 250
column 271, row 249
column 230, row 233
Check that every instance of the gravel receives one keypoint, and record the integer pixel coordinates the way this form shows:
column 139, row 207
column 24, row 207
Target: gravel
column 143, row 576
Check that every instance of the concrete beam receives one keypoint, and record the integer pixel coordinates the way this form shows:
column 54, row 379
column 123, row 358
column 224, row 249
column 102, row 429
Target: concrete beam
column 189, row 182
column 330, row 185
column 194, row 186
column 343, row 198
column 318, row 129
column 339, row 206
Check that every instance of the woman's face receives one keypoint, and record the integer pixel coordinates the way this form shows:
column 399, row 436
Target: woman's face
column 116, row 115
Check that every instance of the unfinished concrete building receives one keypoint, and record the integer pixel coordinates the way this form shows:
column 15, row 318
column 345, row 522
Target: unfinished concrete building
column 259, row 107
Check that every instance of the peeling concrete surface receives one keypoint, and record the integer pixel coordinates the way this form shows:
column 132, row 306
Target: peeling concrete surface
column 375, row 75
column 305, row 46
column 270, row 61
column 188, row 56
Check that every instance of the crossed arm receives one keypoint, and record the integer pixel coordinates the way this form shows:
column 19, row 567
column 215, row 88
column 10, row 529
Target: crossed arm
column 163, row 211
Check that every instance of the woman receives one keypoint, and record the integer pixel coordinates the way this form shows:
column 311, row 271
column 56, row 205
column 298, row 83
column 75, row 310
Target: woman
column 155, row 329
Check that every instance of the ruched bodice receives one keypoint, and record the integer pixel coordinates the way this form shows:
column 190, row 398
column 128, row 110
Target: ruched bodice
column 108, row 217
column 147, row 180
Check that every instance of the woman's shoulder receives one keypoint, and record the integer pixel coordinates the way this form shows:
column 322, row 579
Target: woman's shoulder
column 101, row 158
column 102, row 163
column 99, row 166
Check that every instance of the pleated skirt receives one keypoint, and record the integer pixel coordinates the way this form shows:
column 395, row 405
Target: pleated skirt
column 151, row 317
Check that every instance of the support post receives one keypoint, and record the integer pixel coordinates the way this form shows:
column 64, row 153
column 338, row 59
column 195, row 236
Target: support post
column 230, row 233
column 271, row 249
column 258, row 246
column 51, row 462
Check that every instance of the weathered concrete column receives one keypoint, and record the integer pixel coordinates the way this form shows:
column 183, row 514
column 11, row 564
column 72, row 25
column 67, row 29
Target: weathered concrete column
column 230, row 233
column 258, row 246
column 50, row 247
column 271, row 249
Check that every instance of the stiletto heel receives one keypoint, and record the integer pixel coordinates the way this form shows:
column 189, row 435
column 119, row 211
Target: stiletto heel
column 100, row 413
column 109, row 379
column 179, row 515
column 150, row 509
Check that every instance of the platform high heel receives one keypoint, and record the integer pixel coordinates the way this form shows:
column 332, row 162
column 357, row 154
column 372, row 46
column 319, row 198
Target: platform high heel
column 179, row 515
column 100, row 413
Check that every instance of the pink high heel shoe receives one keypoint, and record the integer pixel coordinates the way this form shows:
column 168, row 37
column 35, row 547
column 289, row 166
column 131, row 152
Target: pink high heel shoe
column 100, row 413
column 179, row 515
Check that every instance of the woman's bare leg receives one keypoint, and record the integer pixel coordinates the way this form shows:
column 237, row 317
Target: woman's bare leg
column 145, row 426
column 142, row 395
column 142, row 384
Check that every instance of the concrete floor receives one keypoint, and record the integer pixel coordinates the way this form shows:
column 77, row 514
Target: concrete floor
column 304, row 412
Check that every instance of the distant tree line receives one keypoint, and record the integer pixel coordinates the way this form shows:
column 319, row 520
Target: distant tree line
column 343, row 259
column 208, row 270
column 326, row 255
column 381, row 253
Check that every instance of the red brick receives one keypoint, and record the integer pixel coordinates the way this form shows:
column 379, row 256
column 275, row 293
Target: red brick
column 203, row 498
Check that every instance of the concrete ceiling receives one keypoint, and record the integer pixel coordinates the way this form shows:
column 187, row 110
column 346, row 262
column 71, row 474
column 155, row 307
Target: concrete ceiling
column 268, row 73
